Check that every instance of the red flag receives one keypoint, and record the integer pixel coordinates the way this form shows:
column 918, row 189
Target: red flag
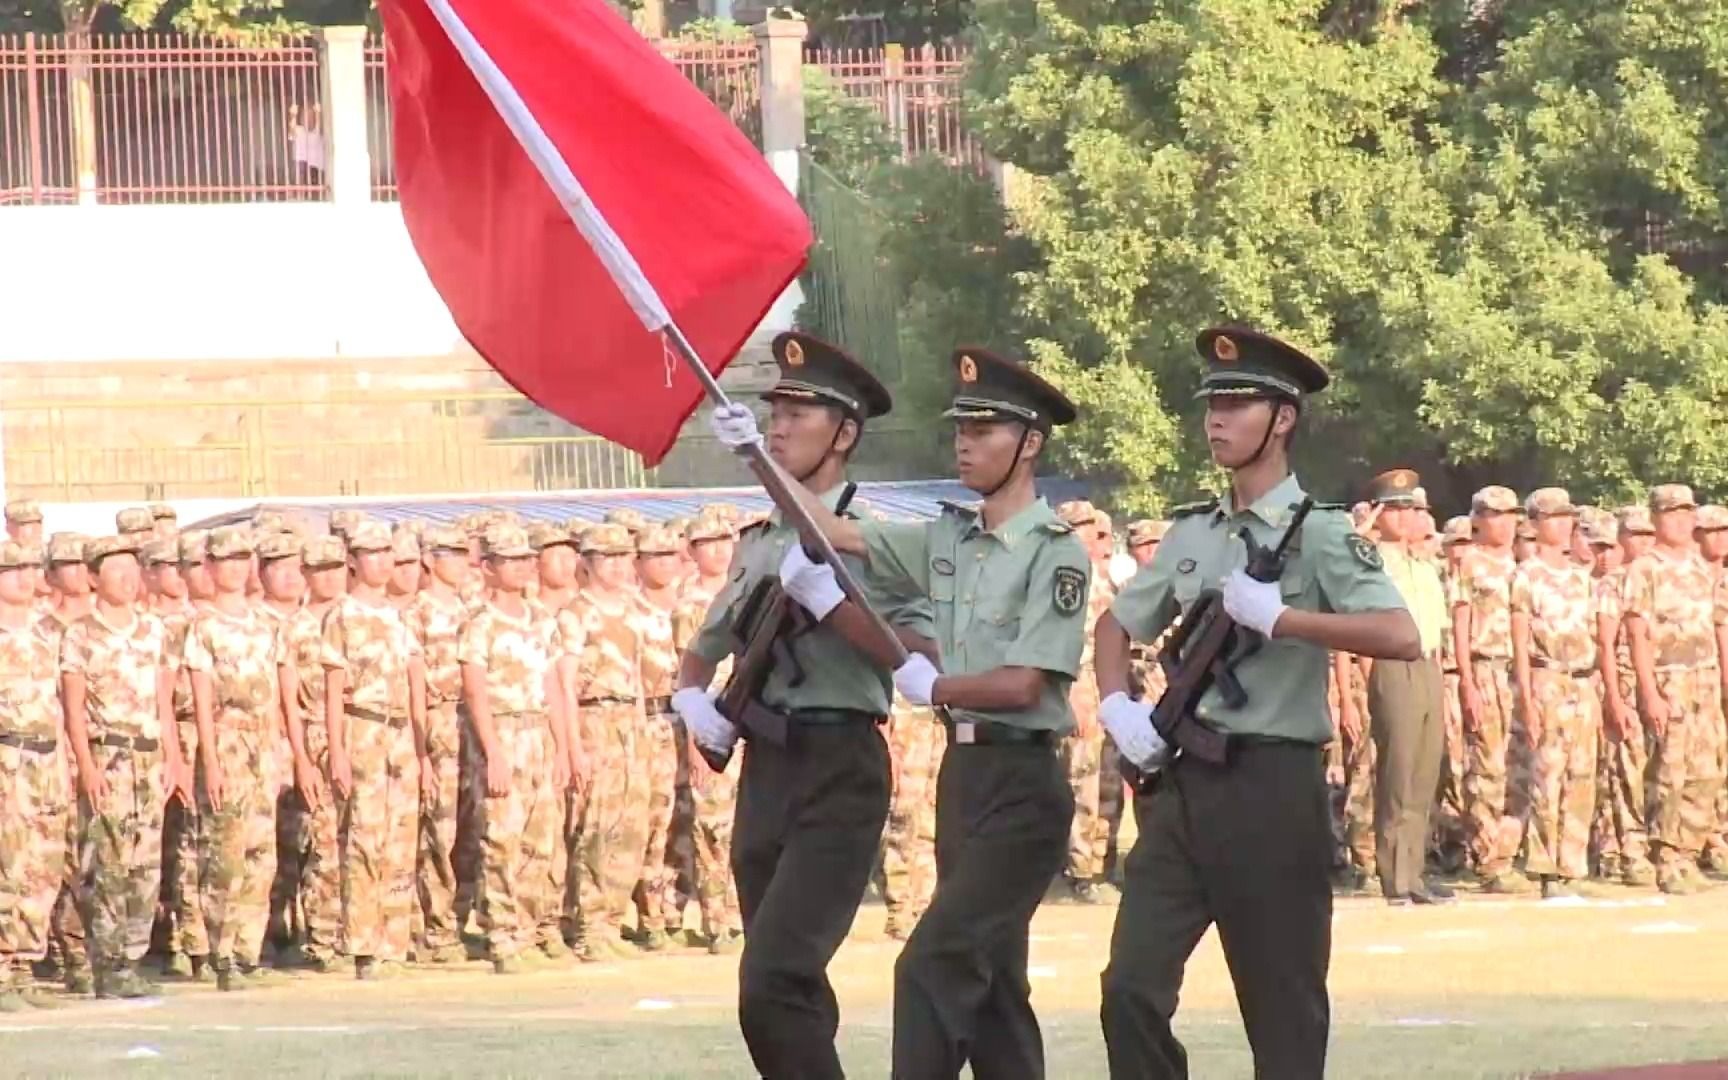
column 570, row 193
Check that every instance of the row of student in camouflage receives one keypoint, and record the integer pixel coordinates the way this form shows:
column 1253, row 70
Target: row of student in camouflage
column 1582, row 655
column 360, row 745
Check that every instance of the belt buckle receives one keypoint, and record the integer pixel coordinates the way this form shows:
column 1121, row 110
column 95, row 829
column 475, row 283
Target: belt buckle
column 965, row 732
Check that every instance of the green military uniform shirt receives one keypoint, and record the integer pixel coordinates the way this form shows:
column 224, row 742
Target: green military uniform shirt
column 1418, row 582
column 1330, row 569
column 835, row 675
column 1012, row 596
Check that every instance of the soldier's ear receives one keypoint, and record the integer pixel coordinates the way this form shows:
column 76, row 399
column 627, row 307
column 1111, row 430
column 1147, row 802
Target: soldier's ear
column 1033, row 444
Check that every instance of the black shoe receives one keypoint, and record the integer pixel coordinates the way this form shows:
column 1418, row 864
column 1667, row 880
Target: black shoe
column 1432, row 894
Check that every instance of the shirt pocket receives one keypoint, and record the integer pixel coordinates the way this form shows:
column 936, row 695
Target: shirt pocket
column 942, row 604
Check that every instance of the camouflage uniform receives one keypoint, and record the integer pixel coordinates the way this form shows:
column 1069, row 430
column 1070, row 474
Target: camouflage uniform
column 316, row 873
column 1622, row 836
column 523, row 886
column 35, row 802
column 436, row 624
column 240, row 655
column 371, row 643
column 1451, row 831
column 1681, row 603
column 67, row 945
column 659, row 750
column 120, row 839
column 1083, row 750
column 916, row 743
column 714, row 797
column 604, row 638
column 1494, row 798
column 180, row 834
column 1561, row 608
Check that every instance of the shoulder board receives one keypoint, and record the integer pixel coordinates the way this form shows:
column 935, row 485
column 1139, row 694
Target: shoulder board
column 753, row 527
column 1205, row 506
column 1341, row 507
column 1056, row 528
column 963, row 509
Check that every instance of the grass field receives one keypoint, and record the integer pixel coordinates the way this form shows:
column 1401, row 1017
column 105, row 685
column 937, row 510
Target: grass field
column 1487, row 988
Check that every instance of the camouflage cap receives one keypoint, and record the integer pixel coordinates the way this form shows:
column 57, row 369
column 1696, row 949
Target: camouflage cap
column 1077, row 513
column 23, row 512
column 230, row 542
column 265, row 521
column 609, row 539
column 404, row 545
column 545, row 534
column 16, row 556
column 1526, row 531
column 709, row 526
column 323, row 552
column 194, row 546
column 472, row 524
column 658, row 540
column 344, row 519
column 725, row 511
column 1665, row 497
column 630, row 519
column 1711, row 518
column 66, row 547
column 278, row 545
column 506, row 541
column 370, row 536
column 1146, row 531
column 445, row 539
column 680, row 526
column 99, row 548
column 161, row 553
column 1635, row 520
column 134, row 519
column 1458, row 530
column 1549, row 502
column 163, row 512
column 1602, row 530
column 1494, row 499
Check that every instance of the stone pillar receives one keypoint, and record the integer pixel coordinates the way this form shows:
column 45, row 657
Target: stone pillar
column 347, row 153
column 780, row 43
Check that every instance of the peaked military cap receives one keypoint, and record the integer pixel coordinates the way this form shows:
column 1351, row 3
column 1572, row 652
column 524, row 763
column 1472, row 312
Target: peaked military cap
column 991, row 387
column 813, row 370
column 1246, row 363
column 1395, row 487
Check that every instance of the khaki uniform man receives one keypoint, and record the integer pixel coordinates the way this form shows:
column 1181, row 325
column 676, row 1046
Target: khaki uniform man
column 1712, row 536
column 164, row 521
column 508, row 651
column 283, row 579
column 1451, row 833
column 234, row 651
column 24, row 522
column 69, row 580
column 406, row 572
column 1494, row 799
column 916, row 743
column 1622, row 834
column 1556, row 663
column 314, row 874
column 1672, row 605
column 659, row 558
column 601, row 672
column 374, row 707
column 1083, row 751
column 713, row 539
column 35, row 799
column 190, row 944
column 136, row 524
column 435, row 617
column 117, row 689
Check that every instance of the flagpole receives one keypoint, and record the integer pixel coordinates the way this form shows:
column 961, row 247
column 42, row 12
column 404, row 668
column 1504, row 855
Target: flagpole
column 778, row 485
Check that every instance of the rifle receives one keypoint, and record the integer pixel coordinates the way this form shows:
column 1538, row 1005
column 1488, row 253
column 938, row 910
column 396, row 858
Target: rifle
column 1204, row 651
column 766, row 623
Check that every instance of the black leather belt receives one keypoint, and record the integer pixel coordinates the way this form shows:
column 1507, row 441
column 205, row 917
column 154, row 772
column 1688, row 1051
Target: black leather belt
column 27, row 742
column 832, row 717
column 985, row 733
column 659, row 706
column 395, row 720
column 139, row 743
column 596, row 701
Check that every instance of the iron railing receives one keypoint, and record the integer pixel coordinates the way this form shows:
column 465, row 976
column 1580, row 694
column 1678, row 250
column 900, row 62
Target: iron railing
column 919, row 93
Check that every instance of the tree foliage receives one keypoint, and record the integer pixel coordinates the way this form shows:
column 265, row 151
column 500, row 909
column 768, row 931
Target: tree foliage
column 875, row 22
column 1500, row 226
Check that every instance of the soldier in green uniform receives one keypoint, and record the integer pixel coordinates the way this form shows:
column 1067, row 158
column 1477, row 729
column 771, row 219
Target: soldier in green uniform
column 1008, row 581
column 811, row 802
column 1244, row 845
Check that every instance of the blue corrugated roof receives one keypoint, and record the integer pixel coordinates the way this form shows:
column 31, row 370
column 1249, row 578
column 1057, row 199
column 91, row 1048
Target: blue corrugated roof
column 907, row 500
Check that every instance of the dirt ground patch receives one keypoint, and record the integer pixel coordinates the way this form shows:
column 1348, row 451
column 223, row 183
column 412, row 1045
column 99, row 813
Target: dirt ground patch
column 1484, row 989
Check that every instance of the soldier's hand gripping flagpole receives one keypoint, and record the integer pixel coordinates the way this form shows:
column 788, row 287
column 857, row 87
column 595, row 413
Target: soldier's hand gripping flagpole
column 587, row 215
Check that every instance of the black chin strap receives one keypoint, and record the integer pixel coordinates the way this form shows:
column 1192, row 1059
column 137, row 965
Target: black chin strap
column 1266, row 439
column 1013, row 462
column 832, row 439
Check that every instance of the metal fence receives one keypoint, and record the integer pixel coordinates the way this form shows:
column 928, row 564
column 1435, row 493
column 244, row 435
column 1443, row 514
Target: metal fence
column 919, row 93
column 378, row 122
column 171, row 119
column 383, row 444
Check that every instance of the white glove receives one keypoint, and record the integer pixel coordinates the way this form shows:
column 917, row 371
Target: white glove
column 1254, row 604
column 704, row 722
column 734, row 425
column 916, row 679
column 1129, row 722
column 811, row 584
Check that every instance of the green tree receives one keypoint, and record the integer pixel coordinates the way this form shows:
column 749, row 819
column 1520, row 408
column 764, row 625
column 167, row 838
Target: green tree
column 905, row 22
column 1506, row 253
